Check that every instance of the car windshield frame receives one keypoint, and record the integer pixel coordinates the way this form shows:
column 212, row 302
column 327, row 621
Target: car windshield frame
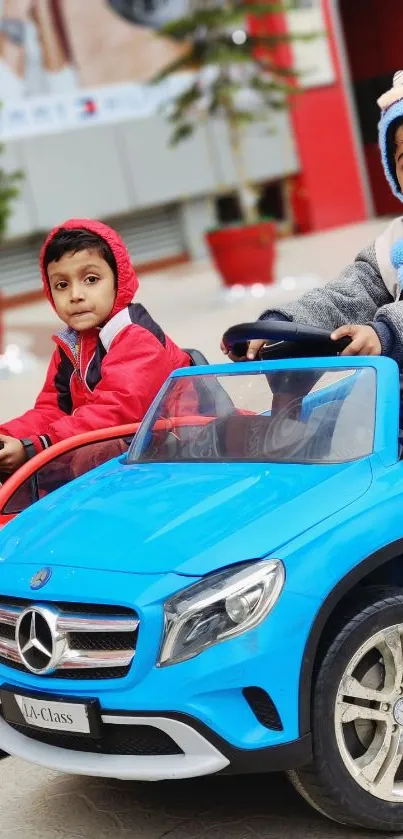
column 336, row 365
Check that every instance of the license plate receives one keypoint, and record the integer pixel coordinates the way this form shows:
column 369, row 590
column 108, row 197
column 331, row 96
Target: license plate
column 48, row 713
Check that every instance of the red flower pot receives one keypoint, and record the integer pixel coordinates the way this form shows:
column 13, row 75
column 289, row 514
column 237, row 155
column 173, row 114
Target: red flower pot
column 244, row 255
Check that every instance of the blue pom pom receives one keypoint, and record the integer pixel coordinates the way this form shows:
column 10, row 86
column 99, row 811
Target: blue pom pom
column 396, row 254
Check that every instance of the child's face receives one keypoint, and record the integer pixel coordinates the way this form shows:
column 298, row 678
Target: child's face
column 83, row 289
column 399, row 155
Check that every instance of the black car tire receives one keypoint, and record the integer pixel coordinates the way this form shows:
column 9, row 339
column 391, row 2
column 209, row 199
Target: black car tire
column 327, row 784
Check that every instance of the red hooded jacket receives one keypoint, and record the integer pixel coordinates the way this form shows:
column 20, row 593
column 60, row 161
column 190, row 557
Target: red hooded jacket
column 117, row 370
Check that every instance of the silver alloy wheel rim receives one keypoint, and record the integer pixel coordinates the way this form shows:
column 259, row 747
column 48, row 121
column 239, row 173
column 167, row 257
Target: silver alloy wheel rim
column 369, row 715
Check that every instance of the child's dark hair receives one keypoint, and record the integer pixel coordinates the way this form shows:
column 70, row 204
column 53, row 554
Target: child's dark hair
column 391, row 146
column 73, row 241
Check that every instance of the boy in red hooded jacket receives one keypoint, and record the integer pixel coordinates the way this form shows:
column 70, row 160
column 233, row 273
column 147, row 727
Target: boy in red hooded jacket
column 112, row 358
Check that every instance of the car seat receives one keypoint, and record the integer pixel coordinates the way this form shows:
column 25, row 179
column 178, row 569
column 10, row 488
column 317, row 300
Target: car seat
column 212, row 396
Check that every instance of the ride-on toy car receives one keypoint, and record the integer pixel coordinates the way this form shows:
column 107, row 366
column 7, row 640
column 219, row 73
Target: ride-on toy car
column 227, row 596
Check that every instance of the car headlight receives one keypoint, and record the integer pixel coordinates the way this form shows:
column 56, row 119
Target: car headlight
column 220, row 607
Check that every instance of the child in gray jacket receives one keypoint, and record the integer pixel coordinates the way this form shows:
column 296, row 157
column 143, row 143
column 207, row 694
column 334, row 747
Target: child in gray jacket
column 366, row 301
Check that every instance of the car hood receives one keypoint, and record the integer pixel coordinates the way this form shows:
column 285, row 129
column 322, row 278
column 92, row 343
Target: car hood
column 188, row 518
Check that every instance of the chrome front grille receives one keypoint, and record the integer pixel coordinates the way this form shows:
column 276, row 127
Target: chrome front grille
column 62, row 640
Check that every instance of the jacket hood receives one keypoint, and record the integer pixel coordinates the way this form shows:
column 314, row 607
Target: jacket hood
column 391, row 105
column 127, row 281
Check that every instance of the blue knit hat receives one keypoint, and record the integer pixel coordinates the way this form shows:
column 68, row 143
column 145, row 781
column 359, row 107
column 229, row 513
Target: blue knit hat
column 391, row 105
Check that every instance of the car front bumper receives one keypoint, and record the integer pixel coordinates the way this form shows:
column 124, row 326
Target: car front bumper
column 201, row 752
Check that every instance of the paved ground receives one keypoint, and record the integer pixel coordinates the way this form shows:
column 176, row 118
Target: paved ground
column 44, row 805
column 37, row 804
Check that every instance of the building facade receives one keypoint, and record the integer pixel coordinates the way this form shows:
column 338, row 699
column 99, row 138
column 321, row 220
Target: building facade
column 102, row 149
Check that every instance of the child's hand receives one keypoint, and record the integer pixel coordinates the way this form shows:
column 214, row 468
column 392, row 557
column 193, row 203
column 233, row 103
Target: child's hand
column 364, row 341
column 253, row 351
column 12, row 456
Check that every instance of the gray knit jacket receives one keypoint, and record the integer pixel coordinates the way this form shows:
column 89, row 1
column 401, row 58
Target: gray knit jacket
column 366, row 292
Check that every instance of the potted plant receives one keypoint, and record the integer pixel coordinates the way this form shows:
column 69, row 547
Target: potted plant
column 237, row 76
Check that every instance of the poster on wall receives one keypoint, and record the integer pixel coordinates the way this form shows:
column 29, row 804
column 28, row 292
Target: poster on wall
column 58, row 46
column 68, row 63
column 63, row 61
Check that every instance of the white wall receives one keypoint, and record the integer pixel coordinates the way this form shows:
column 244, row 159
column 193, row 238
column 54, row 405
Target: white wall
column 109, row 170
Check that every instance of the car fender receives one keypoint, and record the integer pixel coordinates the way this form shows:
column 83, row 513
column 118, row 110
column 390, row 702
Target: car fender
column 370, row 564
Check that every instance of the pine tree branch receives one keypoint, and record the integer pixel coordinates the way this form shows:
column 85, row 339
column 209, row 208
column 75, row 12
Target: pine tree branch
column 182, row 132
column 182, row 63
column 222, row 50
column 241, row 80
column 231, row 14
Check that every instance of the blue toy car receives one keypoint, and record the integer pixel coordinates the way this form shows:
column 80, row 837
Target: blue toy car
column 228, row 595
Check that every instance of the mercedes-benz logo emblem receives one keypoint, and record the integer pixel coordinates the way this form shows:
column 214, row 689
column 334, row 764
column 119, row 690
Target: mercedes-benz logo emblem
column 40, row 645
column 40, row 579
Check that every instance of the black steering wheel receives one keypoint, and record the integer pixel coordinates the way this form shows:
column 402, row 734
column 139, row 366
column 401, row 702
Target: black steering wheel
column 290, row 340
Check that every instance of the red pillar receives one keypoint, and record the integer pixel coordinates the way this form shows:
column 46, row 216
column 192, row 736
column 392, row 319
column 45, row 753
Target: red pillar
column 329, row 191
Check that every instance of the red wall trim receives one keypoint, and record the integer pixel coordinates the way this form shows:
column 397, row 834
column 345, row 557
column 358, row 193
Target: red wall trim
column 329, row 191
